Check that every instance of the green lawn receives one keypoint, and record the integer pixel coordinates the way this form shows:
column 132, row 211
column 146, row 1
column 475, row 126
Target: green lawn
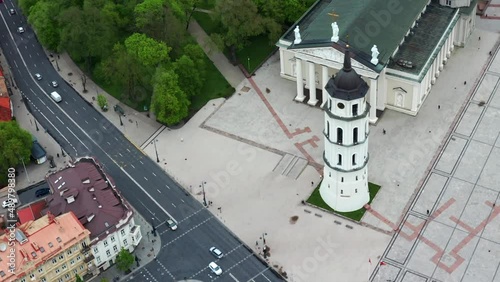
column 206, row 22
column 316, row 200
column 255, row 53
column 215, row 86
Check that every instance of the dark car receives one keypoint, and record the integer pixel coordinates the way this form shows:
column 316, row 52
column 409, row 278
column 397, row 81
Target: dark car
column 42, row 192
column 12, row 11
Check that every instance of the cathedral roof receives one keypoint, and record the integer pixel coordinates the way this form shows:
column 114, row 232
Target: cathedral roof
column 347, row 84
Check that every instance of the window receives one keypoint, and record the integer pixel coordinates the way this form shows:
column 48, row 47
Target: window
column 340, row 106
column 329, row 104
column 72, row 261
column 356, row 177
column 81, row 267
column 354, row 159
column 448, row 2
column 342, row 179
column 51, row 245
column 66, row 275
column 23, row 280
column 60, row 280
column 339, row 162
column 77, row 258
column 108, row 253
column 339, row 135
column 69, row 252
column 105, row 243
column 98, row 259
column 112, row 239
column 58, row 270
column 355, row 135
column 330, row 174
column 61, row 257
column 96, row 250
column 43, row 279
column 59, row 239
column 40, row 270
column 327, row 129
column 115, row 248
column 355, row 190
column 32, row 275
column 122, row 232
column 75, row 271
column 54, row 260
column 64, row 266
column 341, row 192
column 355, row 109
column 125, row 242
column 42, row 250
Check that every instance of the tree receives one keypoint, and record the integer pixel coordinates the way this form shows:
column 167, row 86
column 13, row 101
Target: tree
column 84, row 81
column 189, row 77
column 26, row 5
column 42, row 16
column 16, row 147
column 240, row 20
column 124, row 260
column 146, row 50
column 169, row 102
column 78, row 278
column 102, row 102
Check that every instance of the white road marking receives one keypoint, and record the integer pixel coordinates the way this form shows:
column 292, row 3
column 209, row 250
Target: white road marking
column 108, row 143
column 130, row 152
column 182, row 200
column 167, row 186
column 141, row 162
column 120, row 154
column 145, row 178
column 158, row 191
column 132, row 165
column 76, row 112
column 232, row 276
column 86, row 121
column 262, row 274
column 153, row 173
column 59, row 119
column 95, row 119
column 173, row 205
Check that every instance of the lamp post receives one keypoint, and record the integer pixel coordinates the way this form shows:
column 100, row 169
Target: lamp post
column 121, row 122
column 156, row 151
column 204, row 197
column 264, row 238
column 57, row 65
column 26, row 171
column 36, row 125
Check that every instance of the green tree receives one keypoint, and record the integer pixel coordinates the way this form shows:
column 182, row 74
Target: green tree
column 285, row 13
column 101, row 101
column 190, row 78
column 26, row 5
column 16, row 147
column 42, row 16
column 78, row 278
column 169, row 103
column 124, row 260
column 240, row 20
column 147, row 51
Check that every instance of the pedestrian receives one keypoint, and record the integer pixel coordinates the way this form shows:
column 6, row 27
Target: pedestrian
column 383, row 131
column 439, row 107
column 480, row 38
column 312, row 183
column 428, row 212
column 256, row 243
column 490, row 53
column 465, row 82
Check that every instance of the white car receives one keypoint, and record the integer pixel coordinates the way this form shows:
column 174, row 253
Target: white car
column 9, row 202
column 20, row 29
column 12, row 11
column 38, row 76
column 54, row 84
column 171, row 224
column 215, row 268
column 216, row 252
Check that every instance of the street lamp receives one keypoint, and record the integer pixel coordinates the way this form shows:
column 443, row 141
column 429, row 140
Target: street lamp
column 204, row 197
column 57, row 65
column 121, row 122
column 26, row 171
column 156, row 151
column 36, row 125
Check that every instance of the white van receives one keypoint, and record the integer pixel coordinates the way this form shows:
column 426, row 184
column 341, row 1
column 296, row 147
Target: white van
column 55, row 96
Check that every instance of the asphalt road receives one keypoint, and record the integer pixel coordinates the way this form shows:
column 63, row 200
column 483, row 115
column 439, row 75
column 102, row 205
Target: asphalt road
column 81, row 131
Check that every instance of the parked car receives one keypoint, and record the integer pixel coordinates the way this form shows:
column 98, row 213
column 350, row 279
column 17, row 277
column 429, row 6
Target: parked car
column 38, row 76
column 9, row 202
column 171, row 224
column 215, row 268
column 42, row 192
column 216, row 252
column 20, row 29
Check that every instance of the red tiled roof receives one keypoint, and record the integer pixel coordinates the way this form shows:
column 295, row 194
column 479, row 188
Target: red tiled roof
column 31, row 212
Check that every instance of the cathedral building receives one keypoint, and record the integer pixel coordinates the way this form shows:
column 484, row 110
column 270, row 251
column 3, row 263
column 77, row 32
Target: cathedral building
column 399, row 47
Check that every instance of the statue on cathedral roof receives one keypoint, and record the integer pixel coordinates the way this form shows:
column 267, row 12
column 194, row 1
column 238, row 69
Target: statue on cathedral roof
column 375, row 54
column 335, row 31
column 297, row 35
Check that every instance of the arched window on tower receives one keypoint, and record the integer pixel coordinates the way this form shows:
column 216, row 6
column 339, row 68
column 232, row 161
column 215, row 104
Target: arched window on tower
column 339, row 159
column 354, row 159
column 339, row 135
column 330, row 104
column 327, row 129
column 355, row 135
column 355, row 109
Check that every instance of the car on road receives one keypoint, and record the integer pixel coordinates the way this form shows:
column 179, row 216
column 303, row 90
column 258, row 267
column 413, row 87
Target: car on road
column 12, row 11
column 20, row 29
column 42, row 192
column 171, row 224
column 216, row 252
column 38, row 76
column 9, row 202
column 215, row 268
column 54, row 84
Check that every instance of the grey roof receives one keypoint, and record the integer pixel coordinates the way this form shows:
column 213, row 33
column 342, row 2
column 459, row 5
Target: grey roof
column 97, row 205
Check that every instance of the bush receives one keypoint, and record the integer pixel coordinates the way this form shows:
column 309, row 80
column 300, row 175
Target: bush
column 102, row 102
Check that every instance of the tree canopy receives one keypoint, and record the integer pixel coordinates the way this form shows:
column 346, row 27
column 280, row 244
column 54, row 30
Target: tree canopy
column 16, row 147
column 124, row 260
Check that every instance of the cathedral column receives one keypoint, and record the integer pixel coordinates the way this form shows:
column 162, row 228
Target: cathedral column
column 441, row 59
column 373, row 101
column 312, row 85
column 448, row 47
column 453, row 38
column 300, row 82
column 432, row 72
column 282, row 61
column 324, row 81
column 436, row 61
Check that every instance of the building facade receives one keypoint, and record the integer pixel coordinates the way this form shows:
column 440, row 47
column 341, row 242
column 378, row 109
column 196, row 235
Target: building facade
column 345, row 174
column 399, row 48
column 84, row 188
column 49, row 249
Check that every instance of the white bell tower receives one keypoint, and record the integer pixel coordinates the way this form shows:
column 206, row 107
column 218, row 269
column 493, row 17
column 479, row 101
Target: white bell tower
column 345, row 180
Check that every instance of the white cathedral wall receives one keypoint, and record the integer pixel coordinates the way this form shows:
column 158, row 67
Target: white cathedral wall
column 288, row 62
column 397, row 99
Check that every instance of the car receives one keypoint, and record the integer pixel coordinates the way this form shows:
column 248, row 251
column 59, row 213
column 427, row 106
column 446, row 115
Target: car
column 215, row 268
column 12, row 11
column 171, row 224
column 54, row 84
column 20, row 29
column 9, row 202
column 38, row 76
column 216, row 252
column 42, row 192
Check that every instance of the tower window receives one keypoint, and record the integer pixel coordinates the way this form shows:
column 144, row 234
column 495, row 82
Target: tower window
column 327, row 129
column 355, row 135
column 355, row 190
column 341, row 192
column 339, row 135
column 342, row 179
column 330, row 174
column 354, row 159
column 356, row 177
column 355, row 109
column 340, row 106
column 339, row 159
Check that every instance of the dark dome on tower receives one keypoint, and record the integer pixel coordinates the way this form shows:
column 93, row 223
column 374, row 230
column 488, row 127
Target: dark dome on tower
column 347, row 84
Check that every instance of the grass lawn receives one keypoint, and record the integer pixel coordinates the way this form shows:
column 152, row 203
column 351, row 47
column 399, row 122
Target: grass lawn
column 255, row 53
column 208, row 25
column 316, row 200
column 215, row 86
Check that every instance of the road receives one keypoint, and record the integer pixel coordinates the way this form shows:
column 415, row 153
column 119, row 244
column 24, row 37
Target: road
column 81, row 131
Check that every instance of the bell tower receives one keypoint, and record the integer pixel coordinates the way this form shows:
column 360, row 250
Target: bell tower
column 345, row 180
